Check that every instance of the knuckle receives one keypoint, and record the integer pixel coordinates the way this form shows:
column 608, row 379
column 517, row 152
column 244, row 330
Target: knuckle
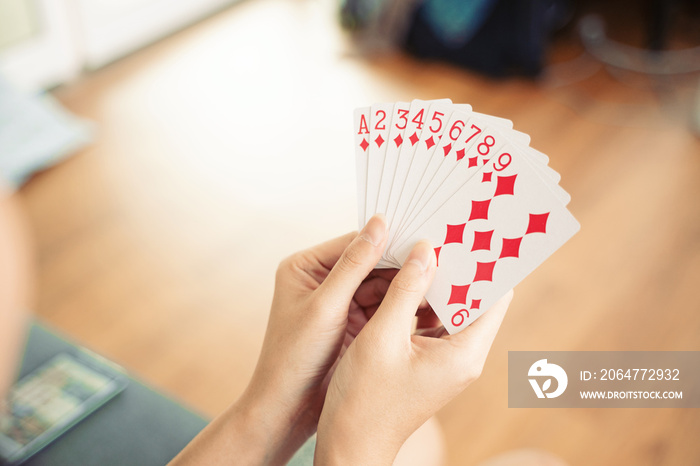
column 351, row 259
column 284, row 266
column 405, row 286
column 293, row 263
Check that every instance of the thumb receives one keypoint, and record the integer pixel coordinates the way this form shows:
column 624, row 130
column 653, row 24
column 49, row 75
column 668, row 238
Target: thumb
column 475, row 341
column 355, row 263
column 407, row 289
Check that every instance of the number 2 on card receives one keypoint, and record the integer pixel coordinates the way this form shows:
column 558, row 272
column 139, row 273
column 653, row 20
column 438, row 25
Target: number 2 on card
column 382, row 127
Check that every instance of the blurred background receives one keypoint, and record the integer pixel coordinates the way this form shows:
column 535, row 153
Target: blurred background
column 202, row 141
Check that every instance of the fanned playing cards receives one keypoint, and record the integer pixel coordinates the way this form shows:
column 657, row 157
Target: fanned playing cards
column 468, row 183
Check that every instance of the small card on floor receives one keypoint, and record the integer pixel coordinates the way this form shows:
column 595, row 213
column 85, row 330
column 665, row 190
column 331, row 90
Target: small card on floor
column 468, row 183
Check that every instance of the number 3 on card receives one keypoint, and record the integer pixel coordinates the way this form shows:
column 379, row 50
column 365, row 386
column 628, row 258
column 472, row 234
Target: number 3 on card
column 403, row 115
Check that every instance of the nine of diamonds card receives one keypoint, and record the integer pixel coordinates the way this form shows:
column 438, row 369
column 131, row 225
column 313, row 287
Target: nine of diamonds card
column 471, row 185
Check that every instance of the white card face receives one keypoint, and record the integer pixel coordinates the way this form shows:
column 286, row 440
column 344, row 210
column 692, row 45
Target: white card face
column 437, row 118
column 489, row 235
column 472, row 134
column 453, row 132
column 523, row 140
column 416, row 123
column 380, row 123
column 470, row 184
column 458, row 167
column 443, row 166
column 478, row 143
column 399, row 121
column 361, row 131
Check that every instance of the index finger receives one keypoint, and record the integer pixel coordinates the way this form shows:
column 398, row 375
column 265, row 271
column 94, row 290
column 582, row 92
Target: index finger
column 355, row 263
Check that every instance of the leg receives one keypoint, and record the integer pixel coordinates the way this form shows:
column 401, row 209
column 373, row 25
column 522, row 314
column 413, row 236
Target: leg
column 426, row 447
column 524, row 457
column 15, row 284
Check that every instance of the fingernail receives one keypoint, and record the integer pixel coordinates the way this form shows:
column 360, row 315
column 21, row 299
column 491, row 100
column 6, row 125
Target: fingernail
column 422, row 255
column 375, row 230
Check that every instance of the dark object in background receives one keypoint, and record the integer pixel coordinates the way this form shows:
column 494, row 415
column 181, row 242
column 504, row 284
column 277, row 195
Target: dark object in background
column 496, row 37
column 510, row 38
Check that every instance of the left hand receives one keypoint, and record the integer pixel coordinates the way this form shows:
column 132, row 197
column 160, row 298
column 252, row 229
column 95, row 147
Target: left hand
column 323, row 297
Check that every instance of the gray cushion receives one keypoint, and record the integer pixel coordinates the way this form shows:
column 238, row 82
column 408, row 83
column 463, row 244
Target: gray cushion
column 137, row 427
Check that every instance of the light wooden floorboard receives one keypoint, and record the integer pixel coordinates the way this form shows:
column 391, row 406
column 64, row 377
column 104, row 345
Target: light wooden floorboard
column 227, row 146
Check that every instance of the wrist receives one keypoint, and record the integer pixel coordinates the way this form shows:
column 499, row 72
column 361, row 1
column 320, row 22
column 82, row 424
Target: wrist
column 344, row 439
column 252, row 431
column 235, row 433
column 275, row 423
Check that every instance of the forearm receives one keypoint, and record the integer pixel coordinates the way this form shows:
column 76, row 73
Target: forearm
column 232, row 438
column 253, row 431
column 339, row 451
column 15, row 286
column 346, row 440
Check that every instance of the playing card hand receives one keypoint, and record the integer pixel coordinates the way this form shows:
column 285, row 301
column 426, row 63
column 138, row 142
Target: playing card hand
column 390, row 381
column 469, row 183
column 323, row 297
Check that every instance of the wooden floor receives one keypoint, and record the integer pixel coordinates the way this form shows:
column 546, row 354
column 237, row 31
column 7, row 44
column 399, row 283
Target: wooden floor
column 226, row 147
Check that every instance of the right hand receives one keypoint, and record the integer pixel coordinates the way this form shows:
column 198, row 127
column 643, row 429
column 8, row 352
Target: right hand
column 389, row 382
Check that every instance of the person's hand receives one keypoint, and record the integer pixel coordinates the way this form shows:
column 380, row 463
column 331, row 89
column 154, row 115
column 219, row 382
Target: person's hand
column 323, row 297
column 390, row 381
